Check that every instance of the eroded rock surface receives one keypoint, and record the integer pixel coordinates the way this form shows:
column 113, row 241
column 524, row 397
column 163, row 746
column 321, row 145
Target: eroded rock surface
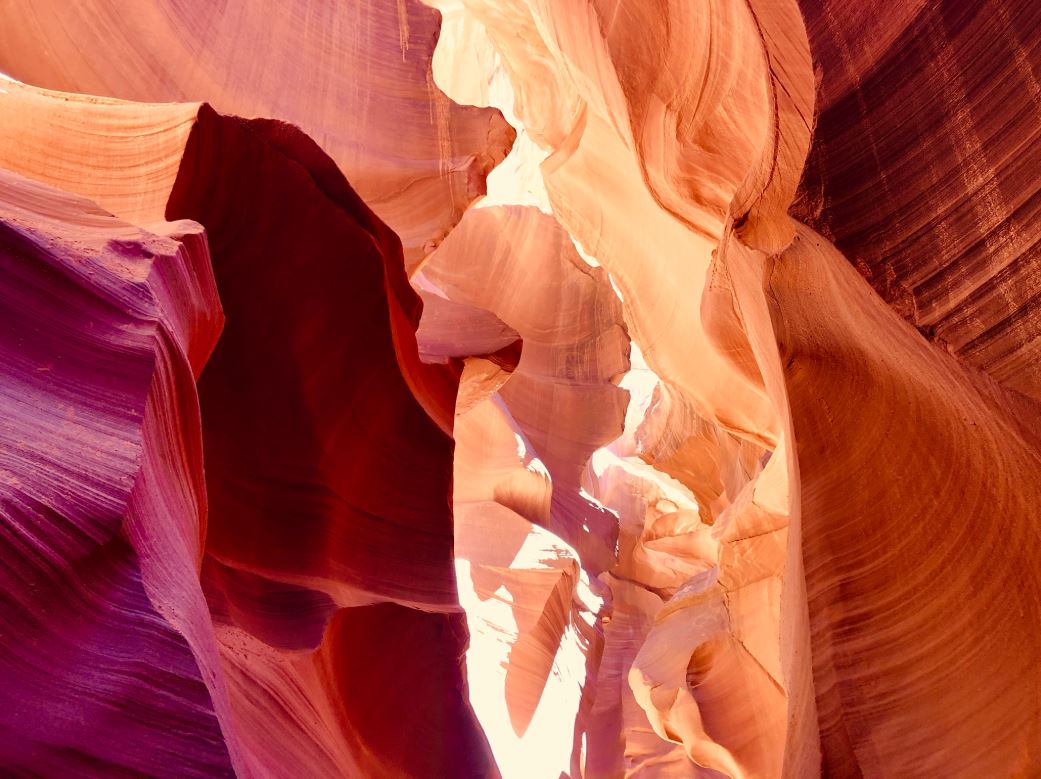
column 699, row 438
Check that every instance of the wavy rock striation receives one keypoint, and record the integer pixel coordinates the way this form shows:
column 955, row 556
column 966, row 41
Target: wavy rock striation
column 938, row 120
column 110, row 665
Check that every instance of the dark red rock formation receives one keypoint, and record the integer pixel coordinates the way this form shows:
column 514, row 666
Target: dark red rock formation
column 294, row 266
column 305, row 470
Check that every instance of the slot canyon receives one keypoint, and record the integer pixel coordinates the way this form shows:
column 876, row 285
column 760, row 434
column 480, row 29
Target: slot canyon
column 520, row 389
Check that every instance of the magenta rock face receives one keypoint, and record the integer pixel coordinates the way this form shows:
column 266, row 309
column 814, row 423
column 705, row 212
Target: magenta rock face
column 108, row 675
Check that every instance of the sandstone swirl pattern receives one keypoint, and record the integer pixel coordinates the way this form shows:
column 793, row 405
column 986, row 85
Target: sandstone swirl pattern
column 520, row 388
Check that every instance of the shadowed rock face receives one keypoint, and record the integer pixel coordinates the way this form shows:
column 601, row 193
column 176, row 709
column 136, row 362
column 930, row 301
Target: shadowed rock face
column 700, row 438
column 302, row 472
column 925, row 169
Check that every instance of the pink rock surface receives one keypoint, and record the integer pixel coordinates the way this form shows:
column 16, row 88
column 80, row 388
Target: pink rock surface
column 353, row 75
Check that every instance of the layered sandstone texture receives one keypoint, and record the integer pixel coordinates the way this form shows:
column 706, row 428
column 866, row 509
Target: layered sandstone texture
column 520, row 388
